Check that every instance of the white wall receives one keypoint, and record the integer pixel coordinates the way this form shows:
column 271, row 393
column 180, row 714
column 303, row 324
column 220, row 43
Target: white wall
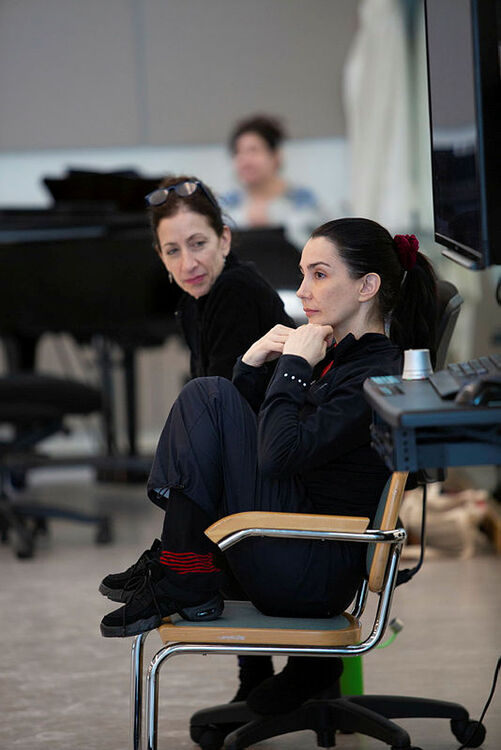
column 110, row 73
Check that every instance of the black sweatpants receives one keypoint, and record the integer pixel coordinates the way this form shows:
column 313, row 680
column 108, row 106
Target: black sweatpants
column 208, row 449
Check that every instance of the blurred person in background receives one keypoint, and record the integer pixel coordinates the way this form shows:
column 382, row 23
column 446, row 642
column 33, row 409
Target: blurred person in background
column 264, row 198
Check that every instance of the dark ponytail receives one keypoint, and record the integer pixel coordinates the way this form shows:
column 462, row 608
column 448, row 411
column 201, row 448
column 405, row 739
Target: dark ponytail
column 413, row 322
column 407, row 300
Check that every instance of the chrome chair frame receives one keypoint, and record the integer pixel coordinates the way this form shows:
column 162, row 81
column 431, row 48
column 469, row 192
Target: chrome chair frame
column 395, row 538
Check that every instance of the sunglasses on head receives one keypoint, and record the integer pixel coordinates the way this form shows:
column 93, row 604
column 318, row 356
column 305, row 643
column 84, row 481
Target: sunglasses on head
column 184, row 189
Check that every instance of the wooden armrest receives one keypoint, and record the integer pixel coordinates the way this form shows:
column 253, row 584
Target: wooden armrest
column 287, row 521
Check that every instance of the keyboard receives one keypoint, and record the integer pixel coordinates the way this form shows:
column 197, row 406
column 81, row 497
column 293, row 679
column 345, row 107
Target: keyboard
column 449, row 381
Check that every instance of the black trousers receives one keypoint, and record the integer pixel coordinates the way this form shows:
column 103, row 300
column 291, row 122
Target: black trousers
column 208, row 450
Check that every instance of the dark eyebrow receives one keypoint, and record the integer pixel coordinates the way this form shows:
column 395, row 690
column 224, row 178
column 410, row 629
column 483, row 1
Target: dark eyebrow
column 197, row 235
column 313, row 265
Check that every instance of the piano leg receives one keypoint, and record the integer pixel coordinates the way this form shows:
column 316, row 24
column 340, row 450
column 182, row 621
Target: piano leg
column 102, row 346
column 129, row 361
column 129, row 467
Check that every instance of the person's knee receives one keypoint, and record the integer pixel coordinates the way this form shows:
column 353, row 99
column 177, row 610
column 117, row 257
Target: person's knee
column 206, row 384
column 195, row 392
column 207, row 388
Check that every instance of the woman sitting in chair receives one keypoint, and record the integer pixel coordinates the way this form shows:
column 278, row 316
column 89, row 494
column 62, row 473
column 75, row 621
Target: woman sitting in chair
column 296, row 442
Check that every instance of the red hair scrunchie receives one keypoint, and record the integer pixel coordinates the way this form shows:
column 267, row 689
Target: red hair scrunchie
column 407, row 249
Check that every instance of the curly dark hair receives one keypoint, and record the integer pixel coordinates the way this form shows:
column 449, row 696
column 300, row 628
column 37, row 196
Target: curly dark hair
column 269, row 128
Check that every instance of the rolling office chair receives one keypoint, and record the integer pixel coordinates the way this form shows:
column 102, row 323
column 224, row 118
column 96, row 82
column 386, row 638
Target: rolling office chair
column 449, row 306
column 33, row 407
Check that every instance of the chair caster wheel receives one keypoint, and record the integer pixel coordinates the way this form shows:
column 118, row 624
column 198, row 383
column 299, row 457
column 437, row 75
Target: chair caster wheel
column 470, row 733
column 23, row 541
column 25, row 551
column 41, row 526
column 208, row 738
column 104, row 533
column 196, row 733
column 326, row 738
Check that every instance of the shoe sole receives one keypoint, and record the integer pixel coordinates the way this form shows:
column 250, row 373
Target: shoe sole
column 210, row 610
column 116, row 595
column 134, row 628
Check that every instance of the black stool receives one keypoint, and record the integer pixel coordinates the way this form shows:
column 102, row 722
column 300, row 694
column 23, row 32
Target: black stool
column 32, row 408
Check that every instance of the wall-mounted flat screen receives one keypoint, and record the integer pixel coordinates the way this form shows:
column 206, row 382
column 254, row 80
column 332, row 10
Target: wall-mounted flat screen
column 463, row 49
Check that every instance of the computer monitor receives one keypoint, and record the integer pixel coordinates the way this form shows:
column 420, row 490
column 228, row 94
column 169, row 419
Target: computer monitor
column 275, row 257
column 277, row 260
column 463, row 51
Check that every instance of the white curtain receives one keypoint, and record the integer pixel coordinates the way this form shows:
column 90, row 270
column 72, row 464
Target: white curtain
column 377, row 108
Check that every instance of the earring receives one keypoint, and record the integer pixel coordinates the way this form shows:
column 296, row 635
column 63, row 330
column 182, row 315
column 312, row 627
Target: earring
column 170, row 277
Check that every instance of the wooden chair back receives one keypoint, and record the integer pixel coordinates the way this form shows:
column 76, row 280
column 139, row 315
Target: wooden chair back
column 386, row 519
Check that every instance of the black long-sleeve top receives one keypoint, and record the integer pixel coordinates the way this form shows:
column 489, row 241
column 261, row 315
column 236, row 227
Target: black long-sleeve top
column 318, row 428
column 220, row 326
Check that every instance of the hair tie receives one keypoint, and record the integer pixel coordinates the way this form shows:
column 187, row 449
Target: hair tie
column 407, row 248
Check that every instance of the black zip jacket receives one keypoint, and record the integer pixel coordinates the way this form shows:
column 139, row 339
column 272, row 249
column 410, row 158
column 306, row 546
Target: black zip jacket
column 239, row 309
column 318, row 428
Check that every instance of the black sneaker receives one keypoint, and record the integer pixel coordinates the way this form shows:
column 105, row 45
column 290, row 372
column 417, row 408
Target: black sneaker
column 120, row 587
column 151, row 603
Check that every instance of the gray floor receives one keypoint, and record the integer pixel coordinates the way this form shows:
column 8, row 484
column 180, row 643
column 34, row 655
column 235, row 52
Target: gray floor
column 62, row 686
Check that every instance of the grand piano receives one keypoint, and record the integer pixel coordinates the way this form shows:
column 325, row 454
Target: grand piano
column 86, row 266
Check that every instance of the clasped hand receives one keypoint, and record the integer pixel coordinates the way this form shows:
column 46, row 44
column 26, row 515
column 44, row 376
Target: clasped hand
column 308, row 341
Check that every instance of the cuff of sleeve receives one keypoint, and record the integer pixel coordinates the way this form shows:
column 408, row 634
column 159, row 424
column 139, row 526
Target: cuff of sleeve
column 292, row 374
column 241, row 368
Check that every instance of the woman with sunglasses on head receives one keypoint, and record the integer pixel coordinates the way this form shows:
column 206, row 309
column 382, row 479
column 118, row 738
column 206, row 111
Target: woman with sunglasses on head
column 225, row 307
column 298, row 441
